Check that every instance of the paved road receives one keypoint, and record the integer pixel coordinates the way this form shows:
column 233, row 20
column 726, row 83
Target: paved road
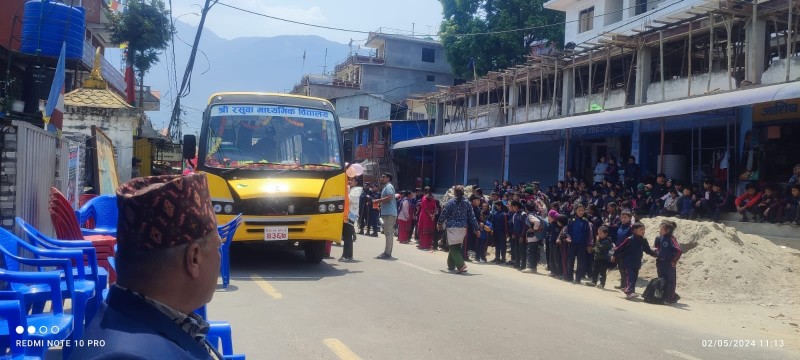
column 408, row 308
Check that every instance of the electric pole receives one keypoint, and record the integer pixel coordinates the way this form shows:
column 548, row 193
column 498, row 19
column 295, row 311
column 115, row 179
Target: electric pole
column 174, row 130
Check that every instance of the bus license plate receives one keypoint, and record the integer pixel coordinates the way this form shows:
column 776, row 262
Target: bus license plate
column 276, row 233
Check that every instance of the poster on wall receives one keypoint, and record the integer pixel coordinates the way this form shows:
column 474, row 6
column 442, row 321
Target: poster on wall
column 106, row 177
column 73, row 175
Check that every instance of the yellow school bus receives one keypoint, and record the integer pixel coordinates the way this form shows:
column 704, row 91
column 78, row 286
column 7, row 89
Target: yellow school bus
column 275, row 159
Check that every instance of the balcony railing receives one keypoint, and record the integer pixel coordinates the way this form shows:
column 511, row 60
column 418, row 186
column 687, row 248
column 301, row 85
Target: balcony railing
column 110, row 73
column 359, row 59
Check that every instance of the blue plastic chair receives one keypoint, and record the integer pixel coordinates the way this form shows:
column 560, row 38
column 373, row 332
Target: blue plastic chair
column 103, row 209
column 226, row 233
column 93, row 270
column 220, row 335
column 79, row 289
column 13, row 311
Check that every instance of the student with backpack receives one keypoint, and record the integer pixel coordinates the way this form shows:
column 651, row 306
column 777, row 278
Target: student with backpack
column 550, row 247
column 624, row 231
column 500, row 234
column 600, row 250
column 537, row 228
column 486, row 230
column 629, row 252
column 518, row 241
column 668, row 252
column 579, row 244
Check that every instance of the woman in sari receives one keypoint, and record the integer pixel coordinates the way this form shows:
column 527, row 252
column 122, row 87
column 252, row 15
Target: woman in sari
column 427, row 216
column 405, row 218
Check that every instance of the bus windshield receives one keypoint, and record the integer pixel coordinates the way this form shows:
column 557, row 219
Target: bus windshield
column 271, row 137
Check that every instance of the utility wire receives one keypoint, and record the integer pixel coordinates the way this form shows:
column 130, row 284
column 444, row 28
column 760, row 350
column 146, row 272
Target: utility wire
column 426, row 35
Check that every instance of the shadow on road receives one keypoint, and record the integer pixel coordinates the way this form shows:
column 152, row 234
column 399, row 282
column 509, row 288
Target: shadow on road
column 279, row 265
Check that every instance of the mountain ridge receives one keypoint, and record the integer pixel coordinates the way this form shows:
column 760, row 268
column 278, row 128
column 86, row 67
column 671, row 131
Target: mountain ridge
column 266, row 64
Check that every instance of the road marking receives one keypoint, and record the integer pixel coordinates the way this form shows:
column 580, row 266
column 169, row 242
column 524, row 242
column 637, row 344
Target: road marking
column 264, row 285
column 681, row 355
column 340, row 349
column 418, row 267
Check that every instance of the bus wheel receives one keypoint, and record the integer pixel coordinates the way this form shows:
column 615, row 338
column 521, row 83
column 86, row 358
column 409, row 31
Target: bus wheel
column 315, row 251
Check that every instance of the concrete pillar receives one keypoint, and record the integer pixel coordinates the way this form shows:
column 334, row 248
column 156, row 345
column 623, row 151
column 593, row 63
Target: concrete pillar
column 466, row 161
column 506, row 155
column 513, row 102
column 568, row 81
column 643, row 71
column 754, row 54
column 440, row 118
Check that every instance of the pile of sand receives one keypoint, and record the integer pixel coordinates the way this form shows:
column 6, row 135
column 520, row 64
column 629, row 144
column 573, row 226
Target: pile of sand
column 722, row 265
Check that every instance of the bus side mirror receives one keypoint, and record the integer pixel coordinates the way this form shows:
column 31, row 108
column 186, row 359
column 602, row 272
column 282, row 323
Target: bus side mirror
column 348, row 150
column 189, row 147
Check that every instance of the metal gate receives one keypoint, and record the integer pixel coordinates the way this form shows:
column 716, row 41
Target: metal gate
column 35, row 175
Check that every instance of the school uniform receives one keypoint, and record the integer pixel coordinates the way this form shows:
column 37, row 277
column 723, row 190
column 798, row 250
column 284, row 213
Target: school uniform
column 535, row 238
column 553, row 250
column 629, row 252
column 580, row 231
column 668, row 252
column 519, row 230
column 601, row 259
column 500, row 235
column 623, row 232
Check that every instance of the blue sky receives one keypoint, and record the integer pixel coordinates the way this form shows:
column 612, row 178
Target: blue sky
column 367, row 15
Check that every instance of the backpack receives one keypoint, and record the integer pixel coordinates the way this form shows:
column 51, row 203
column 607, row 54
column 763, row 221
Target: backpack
column 654, row 292
column 538, row 233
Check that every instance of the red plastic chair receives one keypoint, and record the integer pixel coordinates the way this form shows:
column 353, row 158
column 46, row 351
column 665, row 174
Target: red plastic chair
column 66, row 225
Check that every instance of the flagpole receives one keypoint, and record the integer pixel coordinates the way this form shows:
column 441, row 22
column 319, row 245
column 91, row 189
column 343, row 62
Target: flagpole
column 303, row 71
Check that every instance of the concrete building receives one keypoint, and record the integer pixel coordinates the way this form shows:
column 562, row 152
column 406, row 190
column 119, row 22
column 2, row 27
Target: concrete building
column 397, row 67
column 95, row 105
column 679, row 85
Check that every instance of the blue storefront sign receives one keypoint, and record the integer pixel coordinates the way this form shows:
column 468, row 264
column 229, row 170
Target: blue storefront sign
column 602, row 131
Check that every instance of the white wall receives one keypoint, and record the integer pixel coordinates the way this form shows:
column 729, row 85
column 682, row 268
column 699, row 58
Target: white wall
column 609, row 23
column 349, row 107
column 776, row 73
column 615, row 99
column 677, row 88
column 119, row 125
column 536, row 112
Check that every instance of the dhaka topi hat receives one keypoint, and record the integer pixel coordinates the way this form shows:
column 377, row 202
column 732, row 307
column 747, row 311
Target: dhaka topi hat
column 160, row 212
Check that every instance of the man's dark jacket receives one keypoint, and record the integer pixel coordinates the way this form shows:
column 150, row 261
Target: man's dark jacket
column 133, row 329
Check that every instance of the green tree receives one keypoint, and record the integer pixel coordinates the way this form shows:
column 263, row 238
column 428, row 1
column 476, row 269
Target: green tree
column 500, row 50
column 146, row 27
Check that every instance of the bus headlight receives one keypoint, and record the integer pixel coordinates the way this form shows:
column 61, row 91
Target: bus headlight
column 331, row 207
column 322, row 208
column 341, row 207
column 217, row 208
column 228, row 209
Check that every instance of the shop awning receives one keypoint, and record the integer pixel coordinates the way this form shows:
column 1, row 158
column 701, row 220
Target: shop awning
column 649, row 111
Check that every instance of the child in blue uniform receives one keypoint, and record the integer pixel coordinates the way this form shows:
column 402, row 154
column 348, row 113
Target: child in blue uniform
column 668, row 251
column 579, row 244
column 624, row 231
column 629, row 254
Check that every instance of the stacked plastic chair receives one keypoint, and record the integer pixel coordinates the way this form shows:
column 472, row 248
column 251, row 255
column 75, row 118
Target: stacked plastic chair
column 77, row 288
column 103, row 210
column 93, row 271
column 226, row 233
column 14, row 315
column 65, row 222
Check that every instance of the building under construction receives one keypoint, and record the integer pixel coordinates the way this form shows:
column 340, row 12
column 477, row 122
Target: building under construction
column 679, row 85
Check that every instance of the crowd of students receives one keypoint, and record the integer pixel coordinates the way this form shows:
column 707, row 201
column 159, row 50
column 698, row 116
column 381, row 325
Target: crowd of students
column 584, row 228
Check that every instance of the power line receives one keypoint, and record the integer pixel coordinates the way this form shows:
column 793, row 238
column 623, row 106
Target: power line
column 497, row 32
